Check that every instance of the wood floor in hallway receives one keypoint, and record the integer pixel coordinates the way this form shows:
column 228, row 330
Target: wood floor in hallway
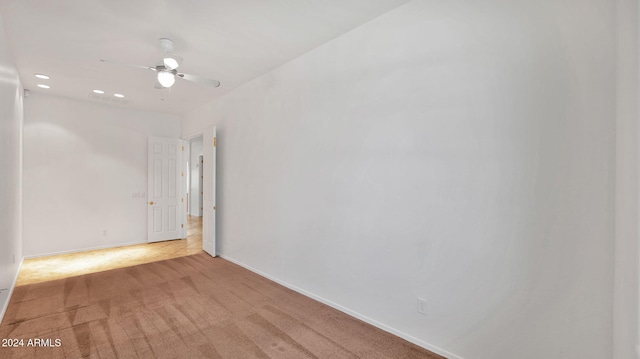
column 37, row 270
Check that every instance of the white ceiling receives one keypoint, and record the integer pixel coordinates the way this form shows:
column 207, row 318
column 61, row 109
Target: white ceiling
column 233, row 41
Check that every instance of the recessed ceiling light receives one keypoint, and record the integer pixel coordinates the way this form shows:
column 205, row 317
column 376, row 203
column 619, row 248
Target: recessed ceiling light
column 41, row 76
column 118, row 95
column 98, row 91
column 44, row 86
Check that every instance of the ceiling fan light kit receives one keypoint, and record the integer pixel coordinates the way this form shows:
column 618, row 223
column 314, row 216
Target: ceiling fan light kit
column 166, row 69
column 166, row 78
column 171, row 61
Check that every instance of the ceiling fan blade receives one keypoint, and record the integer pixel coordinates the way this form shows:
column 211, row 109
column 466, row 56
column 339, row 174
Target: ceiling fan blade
column 132, row 65
column 200, row 80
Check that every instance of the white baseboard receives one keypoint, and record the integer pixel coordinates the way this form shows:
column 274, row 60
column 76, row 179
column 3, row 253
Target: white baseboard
column 350, row 312
column 13, row 285
column 84, row 249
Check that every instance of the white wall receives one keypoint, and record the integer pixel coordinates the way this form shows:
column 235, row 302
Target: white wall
column 194, row 191
column 85, row 171
column 626, row 332
column 457, row 151
column 11, row 117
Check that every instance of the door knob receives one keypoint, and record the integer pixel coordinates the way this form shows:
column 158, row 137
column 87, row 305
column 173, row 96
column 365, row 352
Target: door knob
column 151, row 203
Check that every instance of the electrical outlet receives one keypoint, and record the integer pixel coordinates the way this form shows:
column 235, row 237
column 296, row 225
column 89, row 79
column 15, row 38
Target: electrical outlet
column 104, row 232
column 14, row 258
column 422, row 306
column 138, row 195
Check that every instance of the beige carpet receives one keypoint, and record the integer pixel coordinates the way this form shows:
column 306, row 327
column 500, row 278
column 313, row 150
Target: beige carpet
column 188, row 307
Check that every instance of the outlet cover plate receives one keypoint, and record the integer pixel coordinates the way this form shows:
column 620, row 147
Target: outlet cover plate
column 422, row 306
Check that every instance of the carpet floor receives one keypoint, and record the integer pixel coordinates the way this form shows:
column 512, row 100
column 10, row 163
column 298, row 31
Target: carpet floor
column 188, row 307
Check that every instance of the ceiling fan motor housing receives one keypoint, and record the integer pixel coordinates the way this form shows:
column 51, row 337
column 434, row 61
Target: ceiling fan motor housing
column 166, row 44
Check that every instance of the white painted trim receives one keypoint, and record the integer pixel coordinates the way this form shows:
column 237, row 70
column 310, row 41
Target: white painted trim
column 348, row 311
column 13, row 285
column 193, row 135
column 84, row 249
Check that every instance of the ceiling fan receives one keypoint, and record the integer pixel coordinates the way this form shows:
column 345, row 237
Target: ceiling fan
column 166, row 68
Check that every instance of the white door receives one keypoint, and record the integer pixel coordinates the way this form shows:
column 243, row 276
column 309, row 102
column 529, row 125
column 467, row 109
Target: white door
column 165, row 210
column 209, row 191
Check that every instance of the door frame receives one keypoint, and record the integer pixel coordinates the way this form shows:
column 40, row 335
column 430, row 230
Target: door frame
column 187, row 158
column 190, row 179
column 187, row 139
column 200, row 183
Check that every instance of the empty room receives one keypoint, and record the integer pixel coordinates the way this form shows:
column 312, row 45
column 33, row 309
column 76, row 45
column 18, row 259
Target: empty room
column 319, row 179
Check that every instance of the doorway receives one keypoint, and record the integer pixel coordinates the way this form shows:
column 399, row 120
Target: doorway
column 195, row 189
column 201, row 186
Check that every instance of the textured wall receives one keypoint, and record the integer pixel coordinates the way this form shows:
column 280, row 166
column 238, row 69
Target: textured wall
column 626, row 331
column 11, row 117
column 85, row 171
column 457, row 151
